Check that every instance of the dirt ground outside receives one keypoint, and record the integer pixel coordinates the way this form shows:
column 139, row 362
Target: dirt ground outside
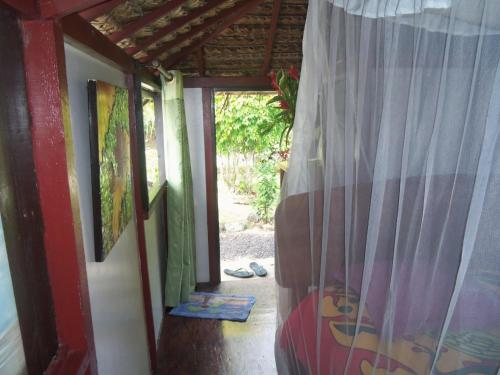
column 242, row 239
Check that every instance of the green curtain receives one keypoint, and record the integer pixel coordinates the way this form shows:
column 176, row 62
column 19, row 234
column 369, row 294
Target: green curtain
column 181, row 263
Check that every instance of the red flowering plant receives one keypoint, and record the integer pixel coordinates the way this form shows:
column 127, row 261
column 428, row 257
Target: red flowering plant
column 286, row 84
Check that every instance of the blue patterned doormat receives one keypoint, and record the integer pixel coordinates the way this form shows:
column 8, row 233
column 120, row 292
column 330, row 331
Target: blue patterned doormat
column 216, row 306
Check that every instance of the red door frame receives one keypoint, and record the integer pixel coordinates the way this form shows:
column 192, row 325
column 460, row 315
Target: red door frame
column 208, row 86
column 20, row 207
column 56, row 176
column 135, row 104
column 58, row 189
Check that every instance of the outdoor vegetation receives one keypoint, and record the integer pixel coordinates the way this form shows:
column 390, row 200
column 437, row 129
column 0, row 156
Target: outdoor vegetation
column 253, row 134
column 150, row 144
column 248, row 148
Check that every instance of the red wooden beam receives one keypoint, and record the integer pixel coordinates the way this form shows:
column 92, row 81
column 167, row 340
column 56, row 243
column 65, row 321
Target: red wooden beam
column 82, row 32
column 229, row 83
column 272, row 33
column 20, row 206
column 201, row 62
column 174, row 25
column 48, row 104
column 99, row 10
column 61, row 8
column 67, row 362
column 26, row 8
column 135, row 104
column 148, row 18
column 227, row 17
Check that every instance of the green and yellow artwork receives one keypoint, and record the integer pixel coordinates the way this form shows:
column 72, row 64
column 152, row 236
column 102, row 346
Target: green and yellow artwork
column 110, row 164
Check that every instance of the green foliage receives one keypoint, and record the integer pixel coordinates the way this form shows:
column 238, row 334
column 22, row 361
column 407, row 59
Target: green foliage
column 286, row 84
column 152, row 161
column 148, row 112
column 246, row 124
column 245, row 187
column 267, row 190
column 248, row 129
column 110, row 169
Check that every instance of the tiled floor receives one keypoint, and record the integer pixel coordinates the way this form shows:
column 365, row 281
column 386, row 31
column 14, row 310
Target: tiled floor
column 211, row 347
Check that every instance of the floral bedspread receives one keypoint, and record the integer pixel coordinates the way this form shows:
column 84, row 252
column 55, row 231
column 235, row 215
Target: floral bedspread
column 465, row 352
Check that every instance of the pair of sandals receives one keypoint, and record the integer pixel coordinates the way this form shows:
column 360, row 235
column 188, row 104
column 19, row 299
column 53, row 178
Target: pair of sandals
column 244, row 274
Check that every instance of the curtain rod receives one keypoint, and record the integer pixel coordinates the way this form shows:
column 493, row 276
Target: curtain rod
column 156, row 65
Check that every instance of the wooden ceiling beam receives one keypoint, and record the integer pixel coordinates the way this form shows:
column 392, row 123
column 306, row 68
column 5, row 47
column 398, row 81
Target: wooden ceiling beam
column 26, row 8
column 62, row 8
column 248, row 6
column 98, row 10
column 232, row 83
column 148, row 18
column 85, row 34
column 174, row 25
column 272, row 33
column 227, row 17
column 201, row 62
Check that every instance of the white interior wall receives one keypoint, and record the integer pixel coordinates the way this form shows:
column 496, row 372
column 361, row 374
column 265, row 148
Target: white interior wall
column 155, row 247
column 115, row 284
column 194, row 119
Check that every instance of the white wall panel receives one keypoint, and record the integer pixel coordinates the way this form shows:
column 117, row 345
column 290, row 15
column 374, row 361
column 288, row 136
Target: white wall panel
column 156, row 249
column 115, row 284
column 194, row 120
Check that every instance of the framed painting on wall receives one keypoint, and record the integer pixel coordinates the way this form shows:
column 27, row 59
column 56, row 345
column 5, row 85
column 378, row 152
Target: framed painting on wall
column 150, row 141
column 110, row 164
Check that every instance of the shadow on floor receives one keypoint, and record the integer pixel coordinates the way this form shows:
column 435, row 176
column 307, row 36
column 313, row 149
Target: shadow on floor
column 211, row 347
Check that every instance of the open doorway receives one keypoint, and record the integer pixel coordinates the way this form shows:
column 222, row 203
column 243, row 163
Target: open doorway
column 248, row 131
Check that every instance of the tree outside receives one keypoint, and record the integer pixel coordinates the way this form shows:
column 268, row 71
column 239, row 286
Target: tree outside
column 248, row 133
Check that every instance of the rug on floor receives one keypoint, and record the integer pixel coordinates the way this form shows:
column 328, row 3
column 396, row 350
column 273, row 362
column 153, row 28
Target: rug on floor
column 216, row 306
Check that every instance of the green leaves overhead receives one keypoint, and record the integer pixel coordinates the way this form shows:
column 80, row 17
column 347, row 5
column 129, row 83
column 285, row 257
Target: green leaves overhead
column 246, row 124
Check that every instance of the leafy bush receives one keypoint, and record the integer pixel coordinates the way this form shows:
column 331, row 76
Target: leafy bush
column 267, row 190
column 246, row 125
column 248, row 135
column 245, row 187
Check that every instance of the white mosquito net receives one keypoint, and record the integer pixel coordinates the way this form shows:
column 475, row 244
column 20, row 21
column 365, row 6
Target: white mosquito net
column 388, row 230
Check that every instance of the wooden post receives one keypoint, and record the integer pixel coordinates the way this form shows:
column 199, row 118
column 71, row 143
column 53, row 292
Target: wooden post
column 58, row 189
column 270, row 41
column 20, row 207
column 135, row 104
column 211, row 186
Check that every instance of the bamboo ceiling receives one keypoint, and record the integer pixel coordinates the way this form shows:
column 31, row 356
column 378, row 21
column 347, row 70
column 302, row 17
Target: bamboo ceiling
column 212, row 38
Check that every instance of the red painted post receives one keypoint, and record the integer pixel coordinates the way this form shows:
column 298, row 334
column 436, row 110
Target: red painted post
column 26, row 8
column 134, row 105
column 56, row 179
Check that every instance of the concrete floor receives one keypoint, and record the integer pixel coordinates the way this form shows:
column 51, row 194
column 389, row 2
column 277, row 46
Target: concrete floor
column 234, row 264
column 211, row 347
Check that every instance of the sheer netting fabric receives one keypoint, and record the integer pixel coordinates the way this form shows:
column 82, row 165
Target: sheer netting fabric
column 388, row 229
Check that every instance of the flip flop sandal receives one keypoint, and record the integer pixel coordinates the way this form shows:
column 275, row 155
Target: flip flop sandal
column 258, row 269
column 240, row 272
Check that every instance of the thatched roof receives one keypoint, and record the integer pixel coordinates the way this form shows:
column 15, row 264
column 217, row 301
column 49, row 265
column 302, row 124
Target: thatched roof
column 209, row 37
